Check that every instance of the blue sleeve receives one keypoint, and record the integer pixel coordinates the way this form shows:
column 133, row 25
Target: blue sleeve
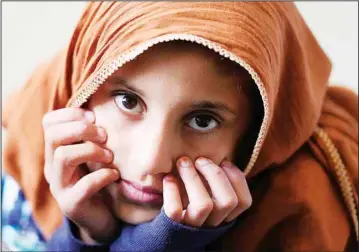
column 64, row 239
column 164, row 234
column 161, row 234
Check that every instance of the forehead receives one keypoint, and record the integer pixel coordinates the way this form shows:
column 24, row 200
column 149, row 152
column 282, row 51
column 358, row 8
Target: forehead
column 181, row 59
column 201, row 56
column 182, row 72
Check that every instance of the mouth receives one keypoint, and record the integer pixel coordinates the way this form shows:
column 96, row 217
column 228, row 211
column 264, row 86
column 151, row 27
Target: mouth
column 140, row 195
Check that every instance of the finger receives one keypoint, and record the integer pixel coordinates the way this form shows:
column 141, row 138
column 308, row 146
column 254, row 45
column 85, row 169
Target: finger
column 224, row 197
column 70, row 133
column 67, row 115
column 240, row 186
column 89, row 185
column 172, row 202
column 200, row 204
column 183, row 192
column 68, row 157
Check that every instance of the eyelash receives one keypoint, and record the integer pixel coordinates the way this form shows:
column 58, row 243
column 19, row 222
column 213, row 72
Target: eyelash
column 213, row 115
column 186, row 118
column 116, row 93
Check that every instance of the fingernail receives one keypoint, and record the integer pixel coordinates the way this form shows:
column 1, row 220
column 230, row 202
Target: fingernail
column 185, row 162
column 202, row 161
column 169, row 177
column 227, row 164
column 90, row 116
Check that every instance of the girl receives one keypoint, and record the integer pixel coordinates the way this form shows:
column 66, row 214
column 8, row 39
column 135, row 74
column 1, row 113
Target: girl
column 143, row 156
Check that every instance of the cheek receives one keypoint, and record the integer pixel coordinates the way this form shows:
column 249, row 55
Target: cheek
column 216, row 147
column 118, row 129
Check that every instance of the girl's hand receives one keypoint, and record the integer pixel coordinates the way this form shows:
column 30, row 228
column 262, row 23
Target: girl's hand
column 72, row 139
column 229, row 192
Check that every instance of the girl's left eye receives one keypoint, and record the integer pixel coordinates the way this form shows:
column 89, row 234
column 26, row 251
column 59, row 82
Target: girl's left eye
column 128, row 103
column 203, row 123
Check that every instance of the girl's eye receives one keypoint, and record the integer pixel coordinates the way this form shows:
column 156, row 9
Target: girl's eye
column 203, row 123
column 128, row 103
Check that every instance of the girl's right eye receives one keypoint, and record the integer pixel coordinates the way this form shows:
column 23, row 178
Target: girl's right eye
column 129, row 103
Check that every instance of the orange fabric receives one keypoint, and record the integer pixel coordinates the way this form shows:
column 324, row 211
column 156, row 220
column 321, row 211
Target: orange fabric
column 297, row 205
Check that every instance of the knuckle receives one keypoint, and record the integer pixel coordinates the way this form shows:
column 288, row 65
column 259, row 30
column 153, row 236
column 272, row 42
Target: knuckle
column 65, row 207
column 84, row 127
column 173, row 213
column 52, row 137
column 82, row 130
column 74, row 113
column 229, row 204
column 205, row 207
column 62, row 204
column 60, row 155
column 91, row 183
column 68, row 207
column 87, row 190
column 49, row 137
column 247, row 202
column 92, row 148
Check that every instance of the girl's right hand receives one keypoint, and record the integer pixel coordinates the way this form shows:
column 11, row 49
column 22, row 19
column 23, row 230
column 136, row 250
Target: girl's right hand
column 71, row 140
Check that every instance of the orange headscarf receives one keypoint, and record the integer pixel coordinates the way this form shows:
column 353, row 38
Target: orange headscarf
column 306, row 143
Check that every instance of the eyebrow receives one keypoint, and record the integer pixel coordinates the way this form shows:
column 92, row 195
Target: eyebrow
column 212, row 105
column 119, row 81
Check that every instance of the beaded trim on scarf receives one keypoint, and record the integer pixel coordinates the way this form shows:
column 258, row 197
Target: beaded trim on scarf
column 341, row 175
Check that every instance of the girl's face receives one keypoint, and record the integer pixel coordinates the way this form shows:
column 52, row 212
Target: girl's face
column 169, row 102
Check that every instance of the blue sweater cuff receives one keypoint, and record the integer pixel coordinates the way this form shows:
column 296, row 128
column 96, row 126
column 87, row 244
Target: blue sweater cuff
column 64, row 239
column 164, row 234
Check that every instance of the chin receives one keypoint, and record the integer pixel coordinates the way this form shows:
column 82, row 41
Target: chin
column 134, row 214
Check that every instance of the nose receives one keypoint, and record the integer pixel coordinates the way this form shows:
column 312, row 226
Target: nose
column 155, row 147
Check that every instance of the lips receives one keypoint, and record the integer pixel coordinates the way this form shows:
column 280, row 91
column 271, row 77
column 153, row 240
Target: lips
column 146, row 189
column 139, row 194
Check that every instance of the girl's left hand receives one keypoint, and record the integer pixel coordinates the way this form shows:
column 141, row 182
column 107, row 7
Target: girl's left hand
column 229, row 194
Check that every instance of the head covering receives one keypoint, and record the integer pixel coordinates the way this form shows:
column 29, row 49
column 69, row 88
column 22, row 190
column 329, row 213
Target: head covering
column 268, row 39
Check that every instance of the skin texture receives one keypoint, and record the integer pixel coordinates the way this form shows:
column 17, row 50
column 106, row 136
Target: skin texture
column 171, row 120
column 147, row 145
